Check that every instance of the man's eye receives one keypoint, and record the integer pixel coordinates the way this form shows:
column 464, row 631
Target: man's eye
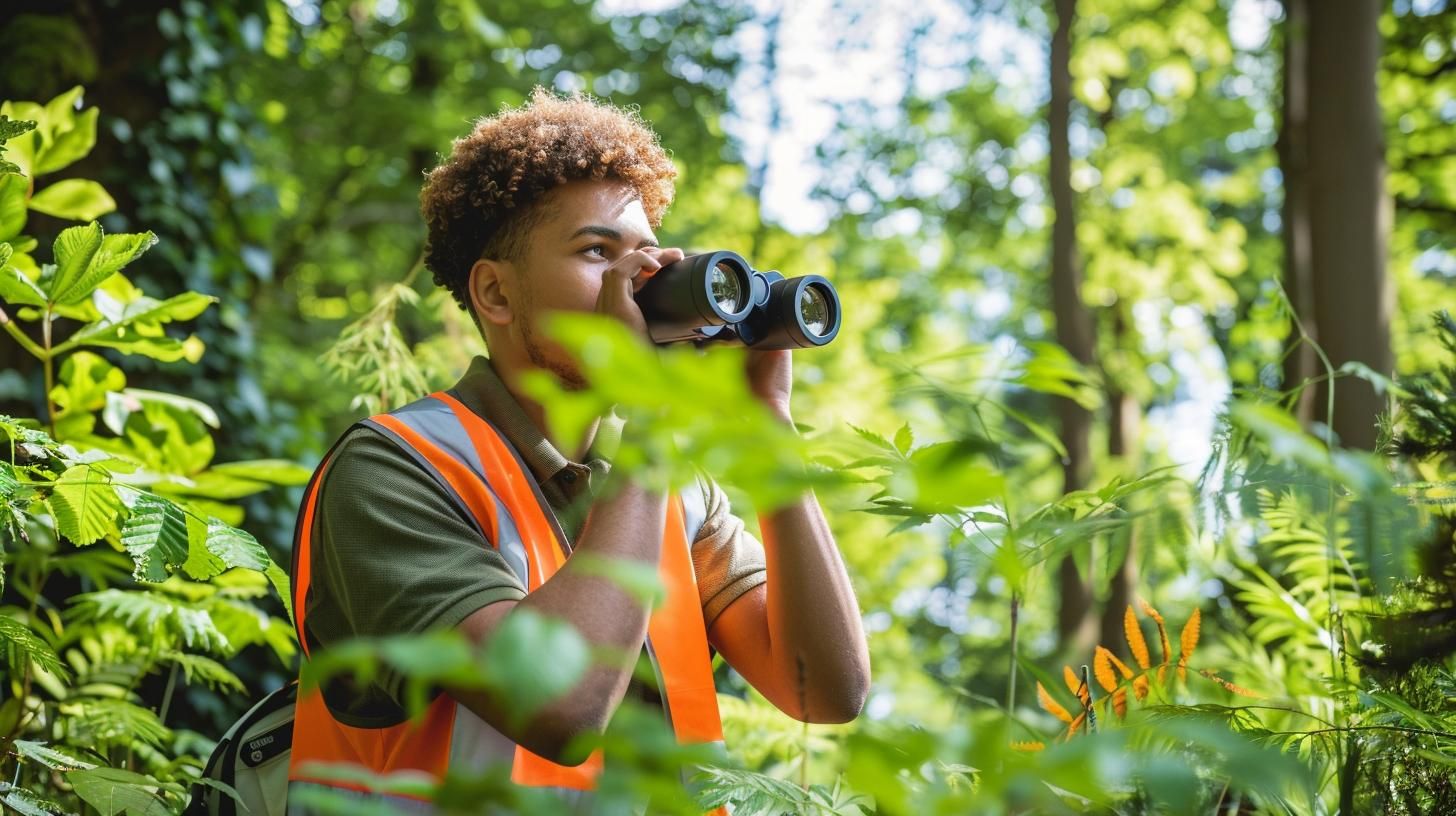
column 600, row 250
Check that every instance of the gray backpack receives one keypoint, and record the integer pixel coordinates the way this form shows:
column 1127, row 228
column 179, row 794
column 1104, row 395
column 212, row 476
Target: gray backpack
column 252, row 759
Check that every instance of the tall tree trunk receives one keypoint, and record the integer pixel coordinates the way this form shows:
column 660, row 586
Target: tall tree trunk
column 1074, row 321
column 1349, row 209
column 1124, row 423
column 1300, row 362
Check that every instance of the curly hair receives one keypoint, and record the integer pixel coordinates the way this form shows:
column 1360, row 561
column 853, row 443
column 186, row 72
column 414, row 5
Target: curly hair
column 482, row 201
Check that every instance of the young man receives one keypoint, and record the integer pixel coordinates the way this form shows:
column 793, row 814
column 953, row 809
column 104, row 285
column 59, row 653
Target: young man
column 418, row 519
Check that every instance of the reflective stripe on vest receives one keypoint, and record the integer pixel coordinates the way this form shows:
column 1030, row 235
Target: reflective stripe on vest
column 489, row 484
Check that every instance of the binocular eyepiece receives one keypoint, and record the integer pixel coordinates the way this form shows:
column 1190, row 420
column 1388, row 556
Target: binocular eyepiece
column 717, row 297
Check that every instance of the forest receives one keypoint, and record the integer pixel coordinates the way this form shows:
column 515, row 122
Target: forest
column 1138, row 440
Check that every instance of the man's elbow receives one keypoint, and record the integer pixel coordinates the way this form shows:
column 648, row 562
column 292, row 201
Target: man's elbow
column 833, row 706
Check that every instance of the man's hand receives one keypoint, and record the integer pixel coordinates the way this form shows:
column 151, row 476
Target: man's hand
column 771, row 379
column 622, row 279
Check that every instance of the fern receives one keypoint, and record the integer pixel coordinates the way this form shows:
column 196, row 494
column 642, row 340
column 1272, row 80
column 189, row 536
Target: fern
column 755, row 794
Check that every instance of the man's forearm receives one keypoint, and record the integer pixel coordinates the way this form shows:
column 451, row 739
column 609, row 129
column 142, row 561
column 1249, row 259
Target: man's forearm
column 817, row 642
column 627, row 525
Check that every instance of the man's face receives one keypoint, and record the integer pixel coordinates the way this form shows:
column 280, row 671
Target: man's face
column 585, row 227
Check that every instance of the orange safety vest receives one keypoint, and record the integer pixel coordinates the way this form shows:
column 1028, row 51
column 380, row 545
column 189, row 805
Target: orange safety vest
column 485, row 477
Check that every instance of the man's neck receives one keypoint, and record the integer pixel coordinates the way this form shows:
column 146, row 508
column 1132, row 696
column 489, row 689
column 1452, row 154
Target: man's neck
column 536, row 412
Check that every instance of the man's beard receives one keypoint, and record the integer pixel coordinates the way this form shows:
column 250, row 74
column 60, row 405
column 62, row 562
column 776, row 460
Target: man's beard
column 537, row 355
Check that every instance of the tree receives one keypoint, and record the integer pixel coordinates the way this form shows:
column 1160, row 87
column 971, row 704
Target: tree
column 1074, row 321
column 1349, row 209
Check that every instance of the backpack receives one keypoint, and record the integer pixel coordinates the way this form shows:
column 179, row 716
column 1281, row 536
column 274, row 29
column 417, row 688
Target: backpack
column 251, row 758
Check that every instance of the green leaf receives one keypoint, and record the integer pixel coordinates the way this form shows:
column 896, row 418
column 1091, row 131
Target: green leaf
column 17, row 287
column 282, row 586
column 235, row 548
column 199, row 667
column 904, row 438
column 112, row 791
column 70, row 144
column 86, row 379
column 48, row 756
column 13, row 211
column 74, row 249
column 21, row 644
column 168, row 439
column 74, row 199
column 273, row 471
column 116, row 252
column 138, row 329
column 199, row 409
column 26, row 803
column 155, row 535
column 85, row 504
column 516, row 663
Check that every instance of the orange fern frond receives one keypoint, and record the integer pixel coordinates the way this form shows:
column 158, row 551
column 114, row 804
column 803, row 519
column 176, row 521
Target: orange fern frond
column 1140, row 686
column 1075, row 725
column 1135, row 642
column 1102, row 667
column 1028, row 746
column 1074, row 685
column 1162, row 637
column 1188, row 641
column 1239, row 690
column 1121, row 666
column 1052, row 706
column 1119, row 703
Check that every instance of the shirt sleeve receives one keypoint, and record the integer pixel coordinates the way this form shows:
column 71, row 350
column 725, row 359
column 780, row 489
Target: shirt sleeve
column 392, row 554
column 727, row 560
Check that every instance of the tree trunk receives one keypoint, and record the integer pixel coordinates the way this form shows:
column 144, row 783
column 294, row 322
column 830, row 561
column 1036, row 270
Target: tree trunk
column 1124, row 422
column 1074, row 322
column 1300, row 361
column 1349, row 209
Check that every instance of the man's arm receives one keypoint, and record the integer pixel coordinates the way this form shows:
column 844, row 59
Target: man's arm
column 816, row 665
column 797, row 638
column 628, row 525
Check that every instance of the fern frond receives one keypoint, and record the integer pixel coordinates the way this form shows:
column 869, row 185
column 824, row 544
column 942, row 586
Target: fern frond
column 1074, row 684
column 1052, row 706
column 1188, row 641
column 1239, row 690
column 1102, row 667
column 1135, row 642
column 1162, row 638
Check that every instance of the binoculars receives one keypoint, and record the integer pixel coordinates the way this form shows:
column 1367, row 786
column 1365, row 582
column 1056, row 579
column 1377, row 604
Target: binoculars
column 718, row 297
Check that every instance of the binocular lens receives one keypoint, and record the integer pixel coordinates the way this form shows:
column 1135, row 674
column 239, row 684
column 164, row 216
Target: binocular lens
column 727, row 288
column 814, row 310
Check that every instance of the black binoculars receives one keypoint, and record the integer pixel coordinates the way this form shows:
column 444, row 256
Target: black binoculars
column 717, row 297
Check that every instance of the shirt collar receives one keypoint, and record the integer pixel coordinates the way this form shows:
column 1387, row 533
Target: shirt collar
column 483, row 391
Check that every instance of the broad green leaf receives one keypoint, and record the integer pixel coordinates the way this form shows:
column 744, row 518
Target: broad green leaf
column 75, row 248
column 168, row 439
column 13, row 192
column 155, row 535
column 516, row 660
column 138, row 329
column 235, row 548
column 199, row 409
column 70, row 144
column 86, row 379
column 945, row 477
column 116, row 252
column 85, row 504
column 48, row 756
column 17, row 287
column 112, row 791
column 74, row 199
column 282, row 586
column 273, row 471
column 26, row 803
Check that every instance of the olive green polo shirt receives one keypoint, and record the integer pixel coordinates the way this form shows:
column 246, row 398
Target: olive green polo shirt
column 392, row 554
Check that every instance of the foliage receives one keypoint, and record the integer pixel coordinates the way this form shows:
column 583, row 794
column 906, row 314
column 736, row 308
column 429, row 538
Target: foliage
column 121, row 567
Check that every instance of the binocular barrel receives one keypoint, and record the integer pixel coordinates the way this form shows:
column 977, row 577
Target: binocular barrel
column 719, row 297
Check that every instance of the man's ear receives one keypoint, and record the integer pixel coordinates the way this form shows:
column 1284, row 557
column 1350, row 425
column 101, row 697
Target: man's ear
column 488, row 295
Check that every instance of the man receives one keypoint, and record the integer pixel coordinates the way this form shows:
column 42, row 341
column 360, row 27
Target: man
column 417, row 520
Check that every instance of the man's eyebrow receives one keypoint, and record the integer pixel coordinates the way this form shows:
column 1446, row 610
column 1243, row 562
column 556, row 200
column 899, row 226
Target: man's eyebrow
column 608, row 233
